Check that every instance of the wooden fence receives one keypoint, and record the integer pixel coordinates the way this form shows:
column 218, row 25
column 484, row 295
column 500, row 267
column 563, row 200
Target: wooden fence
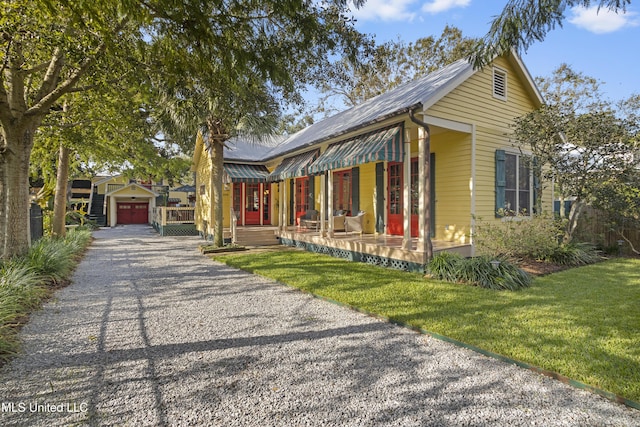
column 593, row 227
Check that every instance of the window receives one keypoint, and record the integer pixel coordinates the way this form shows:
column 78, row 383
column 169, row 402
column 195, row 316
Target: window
column 415, row 188
column 342, row 191
column 237, row 198
column 513, row 184
column 500, row 84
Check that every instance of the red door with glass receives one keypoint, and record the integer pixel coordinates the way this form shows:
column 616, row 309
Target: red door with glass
column 252, row 199
column 395, row 211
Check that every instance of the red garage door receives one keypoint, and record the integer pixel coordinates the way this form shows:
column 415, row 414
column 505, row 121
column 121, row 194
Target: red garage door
column 133, row 213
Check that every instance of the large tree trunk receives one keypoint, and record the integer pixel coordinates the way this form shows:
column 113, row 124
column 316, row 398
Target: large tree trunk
column 60, row 199
column 16, row 194
column 217, row 161
column 574, row 215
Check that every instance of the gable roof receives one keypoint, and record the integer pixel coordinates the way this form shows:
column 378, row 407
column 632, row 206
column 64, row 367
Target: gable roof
column 130, row 186
column 400, row 100
column 422, row 92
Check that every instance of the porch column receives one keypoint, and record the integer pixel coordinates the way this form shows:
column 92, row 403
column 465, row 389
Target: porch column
column 281, row 212
column 330, row 202
column 406, row 211
column 323, row 209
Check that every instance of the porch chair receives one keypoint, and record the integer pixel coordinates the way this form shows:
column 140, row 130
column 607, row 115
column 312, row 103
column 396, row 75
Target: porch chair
column 354, row 223
column 309, row 219
column 338, row 221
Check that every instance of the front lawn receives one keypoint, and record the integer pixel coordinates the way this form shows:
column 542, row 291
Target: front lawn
column 583, row 323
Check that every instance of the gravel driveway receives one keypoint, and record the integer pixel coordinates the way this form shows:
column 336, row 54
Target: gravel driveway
column 152, row 333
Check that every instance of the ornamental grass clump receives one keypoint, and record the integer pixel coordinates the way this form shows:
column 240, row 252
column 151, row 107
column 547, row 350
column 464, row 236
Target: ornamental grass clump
column 25, row 281
column 483, row 271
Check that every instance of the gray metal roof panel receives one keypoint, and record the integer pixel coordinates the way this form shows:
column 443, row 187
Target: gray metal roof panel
column 423, row 91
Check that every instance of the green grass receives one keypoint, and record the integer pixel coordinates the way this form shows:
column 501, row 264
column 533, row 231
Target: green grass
column 583, row 323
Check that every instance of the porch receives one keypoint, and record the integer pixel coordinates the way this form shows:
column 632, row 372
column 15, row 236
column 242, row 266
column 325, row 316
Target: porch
column 376, row 249
column 174, row 221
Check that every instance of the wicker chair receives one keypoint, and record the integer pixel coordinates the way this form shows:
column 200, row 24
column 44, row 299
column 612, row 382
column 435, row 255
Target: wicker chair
column 354, row 223
column 309, row 219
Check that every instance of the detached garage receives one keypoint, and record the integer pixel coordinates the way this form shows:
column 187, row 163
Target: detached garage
column 131, row 204
column 133, row 213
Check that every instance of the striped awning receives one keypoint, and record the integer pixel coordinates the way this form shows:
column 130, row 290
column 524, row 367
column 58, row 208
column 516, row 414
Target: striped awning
column 381, row 145
column 238, row 172
column 294, row 166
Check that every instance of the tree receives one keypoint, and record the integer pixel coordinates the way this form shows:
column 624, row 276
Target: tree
column 577, row 139
column 51, row 48
column 278, row 49
column 389, row 65
column 523, row 22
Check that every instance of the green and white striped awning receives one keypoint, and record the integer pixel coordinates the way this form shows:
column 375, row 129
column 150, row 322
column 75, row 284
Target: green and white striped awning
column 294, row 166
column 381, row 145
column 238, row 172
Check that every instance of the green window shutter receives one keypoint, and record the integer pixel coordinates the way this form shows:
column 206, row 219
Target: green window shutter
column 380, row 197
column 537, row 186
column 432, row 191
column 292, row 207
column 501, row 181
column 355, row 191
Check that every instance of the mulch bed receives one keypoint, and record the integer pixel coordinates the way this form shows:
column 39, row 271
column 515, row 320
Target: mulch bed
column 541, row 268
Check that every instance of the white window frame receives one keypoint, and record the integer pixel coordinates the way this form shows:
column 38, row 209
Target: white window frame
column 502, row 94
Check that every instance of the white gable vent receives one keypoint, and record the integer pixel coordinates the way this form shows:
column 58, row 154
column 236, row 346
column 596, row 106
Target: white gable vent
column 500, row 84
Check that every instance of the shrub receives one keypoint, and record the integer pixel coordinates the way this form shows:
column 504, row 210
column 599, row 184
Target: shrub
column 53, row 258
column 534, row 237
column 20, row 291
column 574, row 254
column 478, row 271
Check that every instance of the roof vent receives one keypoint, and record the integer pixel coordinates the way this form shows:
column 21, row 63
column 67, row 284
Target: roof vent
column 500, row 84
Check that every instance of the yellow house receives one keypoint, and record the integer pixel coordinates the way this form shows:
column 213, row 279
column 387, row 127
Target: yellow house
column 361, row 173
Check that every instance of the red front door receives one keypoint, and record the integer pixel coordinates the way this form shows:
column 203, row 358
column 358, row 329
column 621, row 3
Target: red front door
column 133, row 213
column 252, row 198
column 395, row 200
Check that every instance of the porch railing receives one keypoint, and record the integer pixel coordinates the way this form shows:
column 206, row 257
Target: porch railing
column 162, row 215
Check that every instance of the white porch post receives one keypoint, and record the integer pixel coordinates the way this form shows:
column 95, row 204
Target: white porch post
column 323, row 210
column 406, row 211
column 330, row 202
column 283, row 209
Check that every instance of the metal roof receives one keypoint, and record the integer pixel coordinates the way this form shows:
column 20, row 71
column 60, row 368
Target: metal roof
column 424, row 91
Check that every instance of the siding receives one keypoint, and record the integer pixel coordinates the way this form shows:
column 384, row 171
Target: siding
column 473, row 102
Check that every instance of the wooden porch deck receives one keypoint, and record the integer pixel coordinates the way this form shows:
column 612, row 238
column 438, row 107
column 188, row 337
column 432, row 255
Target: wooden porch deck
column 379, row 245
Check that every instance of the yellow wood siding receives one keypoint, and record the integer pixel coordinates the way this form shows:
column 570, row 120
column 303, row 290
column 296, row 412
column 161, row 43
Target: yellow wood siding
column 367, row 195
column 473, row 102
column 453, row 194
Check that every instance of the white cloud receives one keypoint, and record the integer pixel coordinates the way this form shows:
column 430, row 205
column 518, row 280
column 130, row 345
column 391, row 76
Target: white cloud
column 385, row 10
column 602, row 21
column 437, row 6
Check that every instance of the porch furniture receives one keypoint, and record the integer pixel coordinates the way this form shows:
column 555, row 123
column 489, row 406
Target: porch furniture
column 354, row 223
column 338, row 220
column 309, row 219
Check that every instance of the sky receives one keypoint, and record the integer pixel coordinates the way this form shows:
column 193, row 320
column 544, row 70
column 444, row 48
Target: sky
column 599, row 44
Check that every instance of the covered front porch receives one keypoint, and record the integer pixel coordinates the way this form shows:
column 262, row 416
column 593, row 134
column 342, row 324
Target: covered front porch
column 375, row 249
